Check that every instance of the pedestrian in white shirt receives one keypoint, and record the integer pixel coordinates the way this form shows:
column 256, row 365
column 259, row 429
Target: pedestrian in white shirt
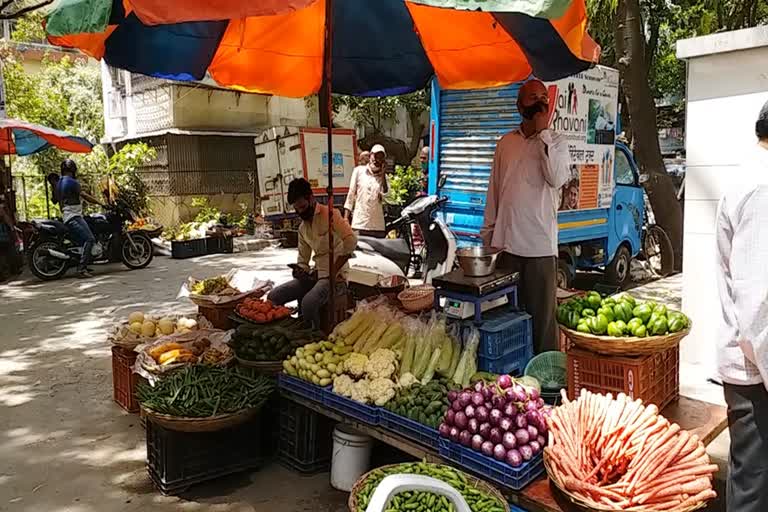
column 742, row 337
column 529, row 167
column 364, row 207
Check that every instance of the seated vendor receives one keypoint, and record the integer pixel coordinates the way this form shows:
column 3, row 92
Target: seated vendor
column 311, row 286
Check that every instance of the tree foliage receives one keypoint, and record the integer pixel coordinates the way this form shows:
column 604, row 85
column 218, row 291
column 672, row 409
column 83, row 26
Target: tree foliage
column 15, row 9
column 29, row 28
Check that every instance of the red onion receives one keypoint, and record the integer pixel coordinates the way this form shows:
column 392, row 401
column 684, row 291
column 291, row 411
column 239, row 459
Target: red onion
column 514, row 458
column 519, row 393
column 465, row 438
column 479, row 385
column 495, row 435
column 541, row 440
column 452, row 396
column 498, row 402
column 484, row 430
column 531, row 406
column 520, row 421
column 522, row 436
column 487, row 448
column 540, row 402
column 504, row 381
column 509, row 440
column 533, row 394
column 535, row 447
column 465, row 398
column 473, row 425
column 461, row 420
column 533, row 432
column 506, row 424
column 456, row 406
column 495, row 417
column 453, row 434
column 450, row 417
column 478, row 399
column 526, row 452
column 477, row 442
column 481, row 413
column 487, row 393
column 535, row 418
column 510, row 410
column 499, row 453
column 444, row 429
column 470, row 411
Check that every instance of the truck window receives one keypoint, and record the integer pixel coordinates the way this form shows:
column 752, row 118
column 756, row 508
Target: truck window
column 622, row 171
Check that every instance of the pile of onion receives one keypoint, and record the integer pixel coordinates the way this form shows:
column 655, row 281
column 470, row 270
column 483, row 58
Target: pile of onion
column 503, row 419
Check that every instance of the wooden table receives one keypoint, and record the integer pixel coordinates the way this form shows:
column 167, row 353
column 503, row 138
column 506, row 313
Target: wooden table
column 700, row 418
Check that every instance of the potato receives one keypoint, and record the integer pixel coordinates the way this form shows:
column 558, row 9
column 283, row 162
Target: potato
column 166, row 325
column 148, row 329
column 136, row 316
column 136, row 328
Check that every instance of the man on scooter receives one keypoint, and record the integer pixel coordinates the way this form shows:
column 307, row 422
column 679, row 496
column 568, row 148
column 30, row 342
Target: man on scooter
column 70, row 196
column 312, row 287
column 529, row 167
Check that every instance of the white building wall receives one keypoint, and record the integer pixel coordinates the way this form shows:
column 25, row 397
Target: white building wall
column 727, row 85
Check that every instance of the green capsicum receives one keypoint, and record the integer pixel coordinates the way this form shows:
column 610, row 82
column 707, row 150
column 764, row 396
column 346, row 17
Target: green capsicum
column 634, row 323
column 643, row 312
column 583, row 327
column 594, row 300
column 640, row 331
column 621, row 326
column 608, row 312
column 622, row 311
column 587, row 312
column 659, row 327
column 676, row 324
column 598, row 324
column 562, row 314
column 660, row 309
column 652, row 320
column 573, row 319
column 614, row 330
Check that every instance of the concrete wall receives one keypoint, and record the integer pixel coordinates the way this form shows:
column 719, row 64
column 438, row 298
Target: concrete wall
column 173, row 210
column 725, row 92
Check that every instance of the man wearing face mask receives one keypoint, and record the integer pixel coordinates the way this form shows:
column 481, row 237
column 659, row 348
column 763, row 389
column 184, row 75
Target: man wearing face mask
column 529, row 167
column 311, row 287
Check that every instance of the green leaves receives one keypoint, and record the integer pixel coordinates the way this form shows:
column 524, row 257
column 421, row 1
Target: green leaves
column 404, row 185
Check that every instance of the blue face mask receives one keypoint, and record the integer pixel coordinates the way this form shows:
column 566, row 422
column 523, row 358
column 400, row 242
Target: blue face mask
column 425, row 167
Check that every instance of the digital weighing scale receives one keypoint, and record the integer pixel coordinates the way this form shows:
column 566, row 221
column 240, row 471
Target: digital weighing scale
column 466, row 297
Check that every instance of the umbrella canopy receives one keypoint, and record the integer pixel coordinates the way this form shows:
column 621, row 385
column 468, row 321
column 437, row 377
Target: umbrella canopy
column 23, row 139
column 379, row 47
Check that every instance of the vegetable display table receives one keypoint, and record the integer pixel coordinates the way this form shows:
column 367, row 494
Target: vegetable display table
column 700, row 418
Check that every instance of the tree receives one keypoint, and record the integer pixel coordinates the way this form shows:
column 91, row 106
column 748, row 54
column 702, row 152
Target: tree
column 14, row 9
column 29, row 28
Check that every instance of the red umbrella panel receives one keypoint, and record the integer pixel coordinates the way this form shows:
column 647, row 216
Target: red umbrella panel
column 23, row 139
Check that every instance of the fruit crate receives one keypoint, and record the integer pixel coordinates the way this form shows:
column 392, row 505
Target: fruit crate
column 219, row 315
column 653, row 379
column 305, row 439
column 178, row 460
column 409, row 428
column 189, row 248
column 488, row 468
column 301, row 388
column 361, row 412
column 220, row 245
column 123, row 378
column 505, row 332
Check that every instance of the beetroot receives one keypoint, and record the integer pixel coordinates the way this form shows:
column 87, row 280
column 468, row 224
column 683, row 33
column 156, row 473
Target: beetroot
column 481, row 413
column 477, row 442
column 495, row 417
column 465, row 397
column 495, row 435
column 484, row 430
column 506, row 424
column 526, row 452
column 470, row 411
column 499, row 453
column 487, row 448
column 522, row 436
column 465, row 438
column 514, row 458
column 504, row 381
column 478, row 399
column 473, row 425
column 450, row 417
column 509, row 440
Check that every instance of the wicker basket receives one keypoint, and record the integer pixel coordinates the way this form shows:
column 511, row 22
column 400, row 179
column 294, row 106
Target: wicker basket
column 210, row 424
column 478, row 484
column 625, row 346
column 594, row 507
column 418, row 298
column 263, row 367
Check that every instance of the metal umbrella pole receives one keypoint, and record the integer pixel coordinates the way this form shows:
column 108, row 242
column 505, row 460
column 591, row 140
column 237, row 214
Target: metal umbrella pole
column 329, row 109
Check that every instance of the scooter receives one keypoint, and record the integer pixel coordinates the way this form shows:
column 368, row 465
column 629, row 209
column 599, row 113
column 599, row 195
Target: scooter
column 377, row 259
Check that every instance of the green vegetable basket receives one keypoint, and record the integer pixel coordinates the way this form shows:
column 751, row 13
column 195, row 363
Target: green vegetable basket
column 624, row 346
column 209, row 424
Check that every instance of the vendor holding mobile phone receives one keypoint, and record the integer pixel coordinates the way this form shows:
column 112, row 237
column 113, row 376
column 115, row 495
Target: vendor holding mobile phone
column 311, row 287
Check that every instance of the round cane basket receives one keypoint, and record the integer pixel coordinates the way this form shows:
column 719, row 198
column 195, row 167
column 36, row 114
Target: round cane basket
column 417, row 298
column 478, row 484
column 263, row 367
column 581, row 504
column 210, row 424
column 625, row 346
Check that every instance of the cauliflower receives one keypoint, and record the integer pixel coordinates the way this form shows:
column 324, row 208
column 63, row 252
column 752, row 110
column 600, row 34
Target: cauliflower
column 382, row 391
column 381, row 364
column 407, row 380
column 361, row 392
column 355, row 364
column 342, row 385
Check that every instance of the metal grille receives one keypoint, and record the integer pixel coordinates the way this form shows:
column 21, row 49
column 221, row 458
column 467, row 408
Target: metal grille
column 153, row 109
column 471, row 123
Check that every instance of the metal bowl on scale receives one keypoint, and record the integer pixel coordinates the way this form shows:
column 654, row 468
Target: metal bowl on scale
column 478, row 261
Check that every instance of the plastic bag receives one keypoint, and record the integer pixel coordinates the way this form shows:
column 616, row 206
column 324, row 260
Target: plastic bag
column 468, row 363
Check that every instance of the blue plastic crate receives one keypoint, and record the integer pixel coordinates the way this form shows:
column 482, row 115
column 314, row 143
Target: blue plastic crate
column 504, row 332
column 300, row 387
column 512, row 364
column 409, row 428
column 514, row 508
column 361, row 412
column 491, row 469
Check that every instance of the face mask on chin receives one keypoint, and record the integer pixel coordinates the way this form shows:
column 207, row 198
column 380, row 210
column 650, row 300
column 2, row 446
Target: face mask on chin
column 530, row 111
column 308, row 213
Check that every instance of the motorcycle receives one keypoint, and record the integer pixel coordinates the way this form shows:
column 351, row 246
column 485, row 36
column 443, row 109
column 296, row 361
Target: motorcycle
column 51, row 250
column 377, row 259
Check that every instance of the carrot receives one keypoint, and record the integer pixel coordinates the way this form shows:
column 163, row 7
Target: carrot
column 691, row 487
column 653, row 471
column 694, row 500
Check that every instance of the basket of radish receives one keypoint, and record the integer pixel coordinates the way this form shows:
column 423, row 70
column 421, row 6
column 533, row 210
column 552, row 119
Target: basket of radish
column 497, row 429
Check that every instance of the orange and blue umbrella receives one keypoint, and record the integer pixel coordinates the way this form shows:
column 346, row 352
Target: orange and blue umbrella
column 379, row 47
column 24, row 139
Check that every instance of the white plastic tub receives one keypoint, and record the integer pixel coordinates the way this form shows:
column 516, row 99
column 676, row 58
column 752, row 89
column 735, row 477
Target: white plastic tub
column 351, row 457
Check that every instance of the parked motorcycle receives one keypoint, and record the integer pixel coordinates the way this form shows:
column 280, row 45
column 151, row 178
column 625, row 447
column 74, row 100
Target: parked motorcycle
column 379, row 258
column 51, row 250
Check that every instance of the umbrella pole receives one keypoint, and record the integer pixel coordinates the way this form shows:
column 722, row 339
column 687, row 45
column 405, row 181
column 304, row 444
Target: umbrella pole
column 326, row 104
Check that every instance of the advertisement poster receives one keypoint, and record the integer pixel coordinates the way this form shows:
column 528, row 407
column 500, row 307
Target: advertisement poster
column 314, row 144
column 585, row 112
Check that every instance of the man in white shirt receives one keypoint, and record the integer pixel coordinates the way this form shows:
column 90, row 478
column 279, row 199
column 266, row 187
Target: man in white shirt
column 365, row 200
column 742, row 337
column 529, row 167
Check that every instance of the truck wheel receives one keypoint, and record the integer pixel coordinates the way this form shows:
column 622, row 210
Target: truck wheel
column 618, row 270
column 564, row 277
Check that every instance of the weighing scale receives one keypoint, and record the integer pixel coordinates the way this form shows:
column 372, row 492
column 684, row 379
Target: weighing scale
column 466, row 297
